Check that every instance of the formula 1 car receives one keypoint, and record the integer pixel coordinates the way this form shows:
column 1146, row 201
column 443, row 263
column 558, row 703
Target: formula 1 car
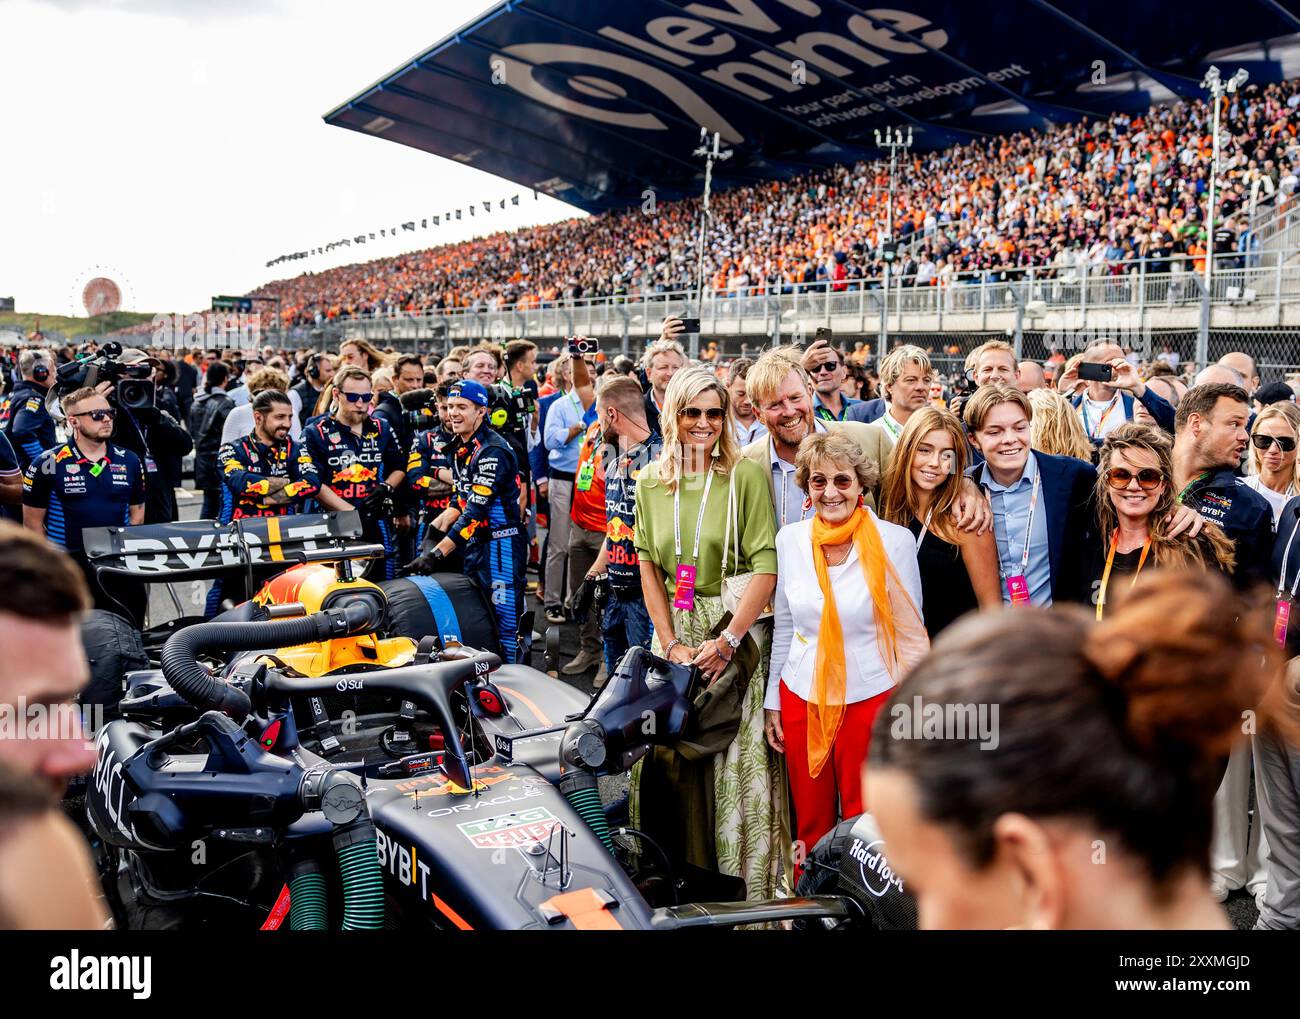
column 298, row 762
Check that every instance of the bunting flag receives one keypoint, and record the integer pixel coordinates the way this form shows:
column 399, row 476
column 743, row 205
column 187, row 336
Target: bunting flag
column 385, row 232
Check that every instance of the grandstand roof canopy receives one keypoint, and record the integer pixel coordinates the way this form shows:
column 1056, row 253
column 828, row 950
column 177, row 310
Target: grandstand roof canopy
column 595, row 102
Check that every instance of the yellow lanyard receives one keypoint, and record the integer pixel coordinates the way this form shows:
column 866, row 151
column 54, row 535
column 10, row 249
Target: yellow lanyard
column 1110, row 559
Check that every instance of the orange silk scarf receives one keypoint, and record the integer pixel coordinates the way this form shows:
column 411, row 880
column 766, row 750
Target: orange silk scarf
column 900, row 633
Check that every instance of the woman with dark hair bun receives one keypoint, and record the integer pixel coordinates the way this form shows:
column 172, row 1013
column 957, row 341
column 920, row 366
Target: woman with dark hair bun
column 1029, row 747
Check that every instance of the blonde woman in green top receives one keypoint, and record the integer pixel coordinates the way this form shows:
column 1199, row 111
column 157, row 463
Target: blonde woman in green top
column 681, row 524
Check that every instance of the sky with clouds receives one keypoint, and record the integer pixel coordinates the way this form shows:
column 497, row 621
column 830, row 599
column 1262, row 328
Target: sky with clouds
column 178, row 146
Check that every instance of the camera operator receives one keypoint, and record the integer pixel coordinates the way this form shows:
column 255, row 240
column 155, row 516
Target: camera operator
column 360, row 463
column 88, row 481
column 150, row 432
column 30, row 429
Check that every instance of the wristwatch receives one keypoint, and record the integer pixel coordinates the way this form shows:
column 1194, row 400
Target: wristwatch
column 730, row 638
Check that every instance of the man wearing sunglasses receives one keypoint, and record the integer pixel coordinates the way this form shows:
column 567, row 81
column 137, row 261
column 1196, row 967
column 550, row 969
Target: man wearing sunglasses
column 87, row 481
column 825, row 366
column 1210, row 438
column 360, row 463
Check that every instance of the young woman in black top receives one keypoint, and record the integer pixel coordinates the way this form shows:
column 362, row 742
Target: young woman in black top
column 959, row 571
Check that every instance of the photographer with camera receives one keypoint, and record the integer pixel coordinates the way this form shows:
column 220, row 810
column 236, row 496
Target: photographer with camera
column 147, row 430
column 1113, row 387
column 360, row 463
column 30, row 428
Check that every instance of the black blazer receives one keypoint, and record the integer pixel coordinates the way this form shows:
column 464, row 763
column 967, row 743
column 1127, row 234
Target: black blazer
column 1068, row 501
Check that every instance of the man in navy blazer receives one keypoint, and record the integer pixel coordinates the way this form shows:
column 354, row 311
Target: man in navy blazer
column 1043, row 506
column 867, row 411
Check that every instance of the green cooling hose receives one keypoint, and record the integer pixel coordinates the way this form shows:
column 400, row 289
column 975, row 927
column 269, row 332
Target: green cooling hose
column 583, row 794
column 307, row 897
column 363, row 881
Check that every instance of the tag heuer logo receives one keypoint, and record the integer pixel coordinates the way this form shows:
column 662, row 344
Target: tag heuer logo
column 509, row 830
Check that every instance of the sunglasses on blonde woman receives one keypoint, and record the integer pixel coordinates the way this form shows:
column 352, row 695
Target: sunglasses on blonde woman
column 1148, row 478
column 693, row 413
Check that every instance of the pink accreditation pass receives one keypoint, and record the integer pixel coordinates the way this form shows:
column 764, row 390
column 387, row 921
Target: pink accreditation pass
column 685, row 588
column 1018, row 590
column 1281, row 619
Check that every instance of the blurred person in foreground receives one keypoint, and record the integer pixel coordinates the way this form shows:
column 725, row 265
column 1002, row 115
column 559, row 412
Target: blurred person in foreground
column 847, row 627
column 1123, row 725
column 47, row 880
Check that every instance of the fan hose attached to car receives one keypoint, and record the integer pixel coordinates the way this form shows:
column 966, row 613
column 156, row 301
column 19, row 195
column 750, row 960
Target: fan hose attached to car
column 192, row 681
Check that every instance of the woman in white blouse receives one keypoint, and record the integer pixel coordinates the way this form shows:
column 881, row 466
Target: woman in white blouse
column 835, row 659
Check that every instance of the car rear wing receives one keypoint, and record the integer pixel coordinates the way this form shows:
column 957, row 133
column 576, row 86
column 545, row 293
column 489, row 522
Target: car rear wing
column 200, row 549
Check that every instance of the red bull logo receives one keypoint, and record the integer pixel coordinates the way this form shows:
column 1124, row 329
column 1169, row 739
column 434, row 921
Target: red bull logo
column 619, row 531
column 355, row 474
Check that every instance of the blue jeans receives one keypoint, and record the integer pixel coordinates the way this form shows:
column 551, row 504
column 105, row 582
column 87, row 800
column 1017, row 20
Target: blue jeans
column 626, row 625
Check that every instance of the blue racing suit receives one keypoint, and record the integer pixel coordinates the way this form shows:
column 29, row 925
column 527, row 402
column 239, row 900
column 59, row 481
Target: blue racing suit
column 489, row 529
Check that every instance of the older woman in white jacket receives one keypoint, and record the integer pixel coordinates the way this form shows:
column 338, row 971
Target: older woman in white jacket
column 848, row 627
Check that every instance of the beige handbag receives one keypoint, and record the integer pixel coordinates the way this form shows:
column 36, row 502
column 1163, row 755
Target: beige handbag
column 734, row 587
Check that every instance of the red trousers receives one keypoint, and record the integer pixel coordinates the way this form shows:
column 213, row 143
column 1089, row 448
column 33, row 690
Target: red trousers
column 820, row 803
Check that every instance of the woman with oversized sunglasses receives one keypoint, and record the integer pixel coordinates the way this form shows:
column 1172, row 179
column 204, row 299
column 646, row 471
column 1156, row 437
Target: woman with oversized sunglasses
column 1273, row 465
column 1135, row 495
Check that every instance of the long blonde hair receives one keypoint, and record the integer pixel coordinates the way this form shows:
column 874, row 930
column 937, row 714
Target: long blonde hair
column 1210, row 548
column 1055, row 428
column 1291, row 413
column 900, row 500
column 687, row 385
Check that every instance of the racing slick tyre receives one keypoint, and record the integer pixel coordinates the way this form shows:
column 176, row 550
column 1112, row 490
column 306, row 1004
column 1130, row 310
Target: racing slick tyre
column 113, row 647
column 446, row 605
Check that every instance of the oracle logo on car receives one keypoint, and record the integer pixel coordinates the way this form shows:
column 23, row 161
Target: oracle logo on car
column 877, row 876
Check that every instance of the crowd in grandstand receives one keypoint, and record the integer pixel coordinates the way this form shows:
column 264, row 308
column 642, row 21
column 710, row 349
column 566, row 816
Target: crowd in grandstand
column 1100, row 194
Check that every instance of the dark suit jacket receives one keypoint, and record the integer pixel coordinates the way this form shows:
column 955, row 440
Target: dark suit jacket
column 1067, row 497
column 866, row 411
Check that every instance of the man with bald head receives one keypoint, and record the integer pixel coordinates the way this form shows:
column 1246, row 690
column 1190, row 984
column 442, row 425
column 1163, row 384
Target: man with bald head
column 1244, row 365
column 1220, row 374
column 1104, row 406
column 1031, row 377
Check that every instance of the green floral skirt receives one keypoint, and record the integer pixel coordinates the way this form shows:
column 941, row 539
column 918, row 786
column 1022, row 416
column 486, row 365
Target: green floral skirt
column 750, row 816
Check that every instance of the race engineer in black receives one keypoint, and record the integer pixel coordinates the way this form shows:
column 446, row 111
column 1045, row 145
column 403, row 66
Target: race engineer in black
column 360, row 463
column 30, row 428
column 87, row 482
column 483, row 519
column 266, row 473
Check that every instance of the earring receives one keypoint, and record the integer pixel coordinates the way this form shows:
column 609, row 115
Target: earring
column 807, row 503
column 862, row 501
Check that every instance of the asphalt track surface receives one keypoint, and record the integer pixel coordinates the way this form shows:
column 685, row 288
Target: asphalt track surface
column 1240, row 905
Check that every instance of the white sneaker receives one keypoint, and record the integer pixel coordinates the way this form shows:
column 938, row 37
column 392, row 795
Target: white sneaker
column 1219, row 890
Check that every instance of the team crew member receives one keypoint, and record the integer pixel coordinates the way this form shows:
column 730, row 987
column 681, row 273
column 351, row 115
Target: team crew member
column 1209, row 440
column 483, row 520
column 266, row 473
column 11, row 482
column 620, row 412
column 30, row 428
column 87, row 482
column 359, row 461
column 429, row 468
column 317, row 369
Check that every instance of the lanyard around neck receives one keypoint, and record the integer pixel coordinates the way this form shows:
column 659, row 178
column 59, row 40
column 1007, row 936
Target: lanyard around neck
column 699, row 520
column 1029, row 529
column 1286, row 556
column 1110, row 560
